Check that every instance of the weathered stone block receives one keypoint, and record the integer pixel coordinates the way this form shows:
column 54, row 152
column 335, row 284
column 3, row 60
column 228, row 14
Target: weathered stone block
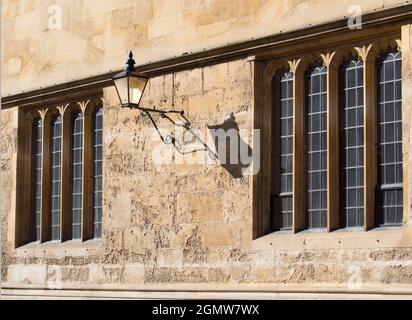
column 119, row 211
column 185, row 235
column 240, row 273
column 170, row 258
column 218, row 275
column 218, row 234
column 113, row 274
column 190, row 275
column 114, row 165
column 96, row 273
column 397, row 274
column 263, row 274
column 199, row 207
column 155, row 210
column 189, row 82
column 391, row 254
column 158, row 275
column 195, row 255
column 75, row 274
column 134, row 273
column 27, row 274
column 156, row 86
column 240, row 72
column 215, row 77
column 217, row 256
column 236, row 208
column 205, row 105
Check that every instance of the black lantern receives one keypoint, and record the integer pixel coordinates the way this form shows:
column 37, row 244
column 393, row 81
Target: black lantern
column 130, row 84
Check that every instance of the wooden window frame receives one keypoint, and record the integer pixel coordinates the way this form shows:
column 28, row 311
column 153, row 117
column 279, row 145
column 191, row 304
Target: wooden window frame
column 265, row 68
column 24, row 232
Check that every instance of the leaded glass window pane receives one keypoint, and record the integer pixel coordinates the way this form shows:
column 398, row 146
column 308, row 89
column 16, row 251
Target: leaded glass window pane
column 37, row 172
column 283, row 140
column 390, row 171
column 56, row 178
column 97, row 174
column 77, row 166
column 352, row 143
column 316, row 156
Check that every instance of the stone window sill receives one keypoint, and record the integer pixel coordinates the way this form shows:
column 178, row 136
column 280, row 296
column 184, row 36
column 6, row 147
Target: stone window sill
column 67, row 248
column 339, row 239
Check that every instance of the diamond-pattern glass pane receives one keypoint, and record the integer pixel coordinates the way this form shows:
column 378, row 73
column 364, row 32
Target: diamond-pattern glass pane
column 56, row 178
column 97, row 174
column 77, row 175
column 352, row 143
column 37, row 172
column 316, row 156
column 390, row 179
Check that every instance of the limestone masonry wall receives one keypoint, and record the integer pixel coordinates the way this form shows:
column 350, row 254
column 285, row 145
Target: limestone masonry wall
column 96, row 35
column 185, row 224
column 180, row 224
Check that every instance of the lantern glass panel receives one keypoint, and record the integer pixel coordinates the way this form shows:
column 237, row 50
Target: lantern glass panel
column 122, row 89
column 136, row 88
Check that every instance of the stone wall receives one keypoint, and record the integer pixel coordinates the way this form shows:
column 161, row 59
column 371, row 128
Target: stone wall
column 180, row 224
column 188, row 224
column 8, row 156
column 96, row 35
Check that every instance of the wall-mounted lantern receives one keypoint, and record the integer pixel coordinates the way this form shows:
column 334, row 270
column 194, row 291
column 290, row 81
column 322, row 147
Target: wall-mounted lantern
column 130, row 86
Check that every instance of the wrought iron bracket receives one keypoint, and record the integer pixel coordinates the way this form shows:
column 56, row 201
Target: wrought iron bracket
column 170, row 139
column 164, row 114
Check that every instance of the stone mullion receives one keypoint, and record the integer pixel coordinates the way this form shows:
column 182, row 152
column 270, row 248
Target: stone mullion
column 332, row 79
column 299, row 220
column 370, row 170
column 66, row 214
column 45, row 219
column 87, row 173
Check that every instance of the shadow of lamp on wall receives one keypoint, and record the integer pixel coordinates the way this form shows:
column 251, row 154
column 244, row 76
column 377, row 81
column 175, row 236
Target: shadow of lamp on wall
column 230, row 146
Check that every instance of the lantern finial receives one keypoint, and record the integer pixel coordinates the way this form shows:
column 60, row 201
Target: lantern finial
column 130, row 63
